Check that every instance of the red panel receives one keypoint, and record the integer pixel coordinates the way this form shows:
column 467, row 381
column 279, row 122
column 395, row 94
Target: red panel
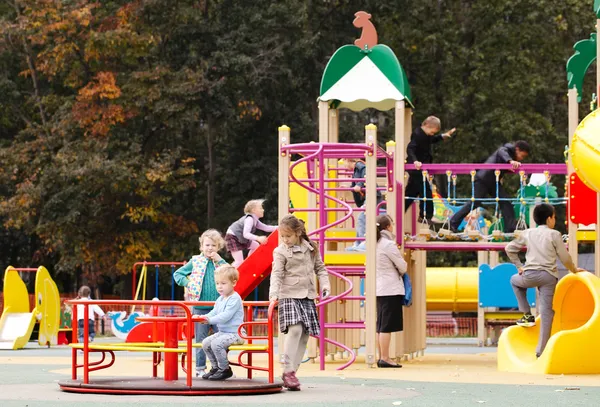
column 582, row 201
column 144, row 332
column 257, row 266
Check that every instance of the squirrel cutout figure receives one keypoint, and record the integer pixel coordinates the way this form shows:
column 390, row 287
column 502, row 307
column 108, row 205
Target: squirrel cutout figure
column 368, row 37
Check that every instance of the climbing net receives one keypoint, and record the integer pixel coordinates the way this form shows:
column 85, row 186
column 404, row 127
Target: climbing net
column 475, row 226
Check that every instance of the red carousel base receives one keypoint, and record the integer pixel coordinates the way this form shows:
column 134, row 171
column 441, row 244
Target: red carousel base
column 158, row 386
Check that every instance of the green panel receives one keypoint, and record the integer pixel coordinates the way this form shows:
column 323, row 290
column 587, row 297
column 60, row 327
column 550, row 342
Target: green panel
column 385, row 59
column 340, row 63
column 580, row 61
column 597, row 8
column 346, row 57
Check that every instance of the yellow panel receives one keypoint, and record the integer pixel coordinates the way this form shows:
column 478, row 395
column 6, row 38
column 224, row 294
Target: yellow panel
column 340, row 233
column 47, row 307
column 452, row 288
column 586, row 235
column 509, row 316
column 17, row 321
column 153, row 347
column 299, row 195
column 585, row 150
column 332, row 216
column 344, row 258
column 573, row 346
column 15, row 291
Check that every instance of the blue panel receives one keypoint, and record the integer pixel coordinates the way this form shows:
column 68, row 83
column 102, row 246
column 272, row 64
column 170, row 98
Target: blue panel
column 362, row 291
column 495, row 289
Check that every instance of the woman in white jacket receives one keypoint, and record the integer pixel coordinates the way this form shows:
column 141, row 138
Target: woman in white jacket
column 390, row 289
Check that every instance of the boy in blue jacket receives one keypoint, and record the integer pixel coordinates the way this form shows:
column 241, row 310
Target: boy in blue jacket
column 227, row 315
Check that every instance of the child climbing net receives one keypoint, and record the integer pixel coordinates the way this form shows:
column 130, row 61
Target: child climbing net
column 476, row 227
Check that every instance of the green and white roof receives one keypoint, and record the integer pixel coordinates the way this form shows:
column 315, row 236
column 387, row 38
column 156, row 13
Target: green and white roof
column 358, row 79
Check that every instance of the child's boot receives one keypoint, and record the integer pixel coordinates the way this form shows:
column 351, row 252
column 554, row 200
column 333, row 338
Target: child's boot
column 290, row 381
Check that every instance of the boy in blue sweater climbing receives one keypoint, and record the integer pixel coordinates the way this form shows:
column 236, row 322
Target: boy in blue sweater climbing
column 198, row 278
column 228, row 315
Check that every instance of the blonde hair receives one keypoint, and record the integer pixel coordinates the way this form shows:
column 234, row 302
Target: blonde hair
column 213, row 235
column 433, row 122
column 229, row 272
column 253, row 204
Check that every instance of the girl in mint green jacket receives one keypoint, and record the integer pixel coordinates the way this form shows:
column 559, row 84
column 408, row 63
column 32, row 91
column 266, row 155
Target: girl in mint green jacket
column 198, row 278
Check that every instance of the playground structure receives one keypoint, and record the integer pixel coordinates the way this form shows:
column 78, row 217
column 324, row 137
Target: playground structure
column 356, row 79
column 372, row 77
column 18, row 319
column 166, row 340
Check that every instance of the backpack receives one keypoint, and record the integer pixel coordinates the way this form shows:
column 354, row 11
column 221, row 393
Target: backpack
column 407, row 290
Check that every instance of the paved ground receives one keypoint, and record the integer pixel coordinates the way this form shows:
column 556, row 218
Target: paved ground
column 458, row 375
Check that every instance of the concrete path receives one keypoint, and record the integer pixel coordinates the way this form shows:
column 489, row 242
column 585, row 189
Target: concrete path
column 446, row 376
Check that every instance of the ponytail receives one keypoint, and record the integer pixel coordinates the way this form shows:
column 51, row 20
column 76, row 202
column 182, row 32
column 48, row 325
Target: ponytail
column 383, row 222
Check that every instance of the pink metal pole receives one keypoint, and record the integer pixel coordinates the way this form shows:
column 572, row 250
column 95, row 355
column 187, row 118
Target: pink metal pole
column 399, row 213
column 322, row 222
column 457, row 246
column 86, row 344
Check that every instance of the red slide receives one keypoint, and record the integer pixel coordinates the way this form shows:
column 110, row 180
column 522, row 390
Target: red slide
column 257, row 266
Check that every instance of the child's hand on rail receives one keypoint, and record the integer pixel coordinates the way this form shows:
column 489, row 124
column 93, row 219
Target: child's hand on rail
column 200, row 318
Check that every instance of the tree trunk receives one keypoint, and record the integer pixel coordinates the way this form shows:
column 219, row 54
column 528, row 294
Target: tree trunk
column 210, row 183
column 29, row 57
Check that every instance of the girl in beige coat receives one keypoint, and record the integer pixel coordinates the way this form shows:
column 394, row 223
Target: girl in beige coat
column 295, row 262
column 390, row 289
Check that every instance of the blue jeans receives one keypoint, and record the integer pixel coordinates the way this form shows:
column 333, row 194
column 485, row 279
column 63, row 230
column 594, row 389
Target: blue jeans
column 91, row 332
column 361, row 224
column 201, row 332
column 361, row 227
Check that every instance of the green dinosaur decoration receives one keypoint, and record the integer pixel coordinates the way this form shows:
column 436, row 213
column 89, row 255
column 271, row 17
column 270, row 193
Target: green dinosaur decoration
column 580, row 61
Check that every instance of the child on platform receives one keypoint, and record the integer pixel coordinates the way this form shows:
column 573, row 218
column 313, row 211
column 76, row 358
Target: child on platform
column 544, row 245
column 227, row 315
column 198, row 278
column 240, row 235
column 84, row 293
column 295, row 261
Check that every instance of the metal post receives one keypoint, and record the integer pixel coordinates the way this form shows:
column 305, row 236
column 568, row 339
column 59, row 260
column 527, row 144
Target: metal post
column 573, row 122
column 597, row 241
column 371, row 244
column 156, row 268
column 284, row 195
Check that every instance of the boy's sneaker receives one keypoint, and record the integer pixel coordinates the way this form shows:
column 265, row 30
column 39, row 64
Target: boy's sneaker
column 222, row 374
column 200, row 372
column 526, row 321
column 212, row 371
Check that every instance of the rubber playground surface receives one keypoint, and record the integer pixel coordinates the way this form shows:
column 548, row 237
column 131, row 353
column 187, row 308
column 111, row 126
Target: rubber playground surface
column 451, row 375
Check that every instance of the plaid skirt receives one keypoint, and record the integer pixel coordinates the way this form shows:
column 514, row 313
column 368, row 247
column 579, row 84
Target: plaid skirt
column 298, row 311
column 234, row 245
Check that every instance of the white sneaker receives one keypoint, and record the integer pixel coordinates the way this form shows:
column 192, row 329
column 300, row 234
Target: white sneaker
column 200, row 372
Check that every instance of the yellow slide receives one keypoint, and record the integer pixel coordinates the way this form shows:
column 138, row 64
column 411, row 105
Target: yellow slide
column 17, row 321
column 573, row 347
